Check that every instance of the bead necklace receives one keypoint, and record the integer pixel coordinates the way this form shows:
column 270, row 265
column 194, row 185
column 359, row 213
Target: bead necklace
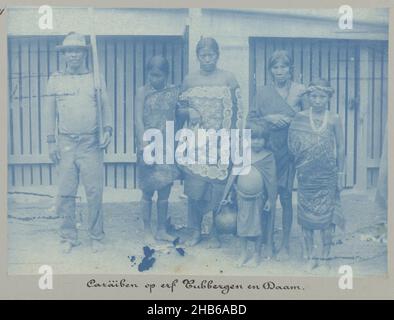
column 312, row 122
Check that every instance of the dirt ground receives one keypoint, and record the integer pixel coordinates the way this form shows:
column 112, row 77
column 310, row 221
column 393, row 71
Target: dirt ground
column 33, row 240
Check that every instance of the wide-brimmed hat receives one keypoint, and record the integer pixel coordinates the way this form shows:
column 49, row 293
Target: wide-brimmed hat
column 73, row 40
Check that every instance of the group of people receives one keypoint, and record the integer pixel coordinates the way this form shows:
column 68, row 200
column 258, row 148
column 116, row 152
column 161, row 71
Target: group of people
column 292, row 132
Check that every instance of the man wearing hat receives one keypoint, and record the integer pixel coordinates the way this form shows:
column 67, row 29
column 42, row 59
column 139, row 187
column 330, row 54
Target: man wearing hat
column 74, row 142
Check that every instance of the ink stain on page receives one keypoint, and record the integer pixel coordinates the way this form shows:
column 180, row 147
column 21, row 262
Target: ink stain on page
column 180, row 251
column 148, row 260
column 176, row 242
column 132, row 260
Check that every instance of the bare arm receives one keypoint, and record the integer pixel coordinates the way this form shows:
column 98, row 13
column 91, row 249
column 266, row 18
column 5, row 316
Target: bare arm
column 303, row 103
column 184, row 111
column 237, row 100
column 107, row 111
column 232, row 81
column 181, row 113
column 139, row 116
column 340, row 143
column 50, row 113
column 50, row 110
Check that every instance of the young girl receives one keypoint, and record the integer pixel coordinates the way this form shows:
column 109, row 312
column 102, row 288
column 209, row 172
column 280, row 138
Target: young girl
column 316, row 141
column 256, row 192
column 155, row 104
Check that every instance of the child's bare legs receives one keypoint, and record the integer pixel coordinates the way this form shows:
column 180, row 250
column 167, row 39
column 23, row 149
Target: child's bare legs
column 285, row 198
column 162, row 211
column 244, row 251
column 146, row 207
column 268, row 222
column 308, row 244
column 326, row 236
column 256, row 258
column 258, row 247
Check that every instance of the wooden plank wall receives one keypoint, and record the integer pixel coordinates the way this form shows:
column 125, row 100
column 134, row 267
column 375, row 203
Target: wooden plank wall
column 122, row 61
column 377, row 111
column 336, row 61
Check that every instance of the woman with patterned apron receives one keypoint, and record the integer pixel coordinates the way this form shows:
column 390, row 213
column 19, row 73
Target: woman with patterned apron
column 276, row 105
column 155, row 105
column 211, row 100
column 317, row 143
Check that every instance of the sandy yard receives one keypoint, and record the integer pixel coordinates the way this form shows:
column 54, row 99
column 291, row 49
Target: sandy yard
column 33, row 240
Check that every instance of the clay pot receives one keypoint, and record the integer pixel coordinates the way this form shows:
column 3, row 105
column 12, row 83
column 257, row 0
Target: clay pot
column 226, row 220
column 252, row 183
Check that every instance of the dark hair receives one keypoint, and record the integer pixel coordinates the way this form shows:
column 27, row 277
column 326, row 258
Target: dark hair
column 321, row 84
column 207, row 43
column 159, row 62
column 281, row 55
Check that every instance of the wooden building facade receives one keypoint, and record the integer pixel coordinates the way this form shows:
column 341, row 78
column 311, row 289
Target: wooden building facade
column 355, row 63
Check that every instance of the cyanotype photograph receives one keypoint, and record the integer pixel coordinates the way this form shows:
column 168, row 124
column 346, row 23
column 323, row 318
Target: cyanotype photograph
column 197, row 141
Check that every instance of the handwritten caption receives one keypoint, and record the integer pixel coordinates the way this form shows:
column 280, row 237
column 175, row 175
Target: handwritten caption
column 194, row 285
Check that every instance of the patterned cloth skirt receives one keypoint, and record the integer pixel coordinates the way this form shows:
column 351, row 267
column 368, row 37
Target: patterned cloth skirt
column 157, row 176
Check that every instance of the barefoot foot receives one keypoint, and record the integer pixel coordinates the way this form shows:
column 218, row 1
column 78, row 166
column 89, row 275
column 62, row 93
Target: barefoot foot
column 97, row 246
column 267, row 253
column 148, row 238
column 214, row 242
column 325, row 266
column 283, row 254
column 194, row 239
column 162, row 235
column 310, row 264
column 67, row 246
column 254, row 261
column 242, row 260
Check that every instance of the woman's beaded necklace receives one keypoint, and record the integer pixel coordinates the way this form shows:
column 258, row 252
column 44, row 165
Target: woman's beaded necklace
column 312, row 122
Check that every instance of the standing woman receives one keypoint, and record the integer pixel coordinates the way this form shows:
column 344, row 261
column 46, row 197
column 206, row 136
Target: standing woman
column 210, row 100
column 155, row 104
column 316, row 140
column 275, row 105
